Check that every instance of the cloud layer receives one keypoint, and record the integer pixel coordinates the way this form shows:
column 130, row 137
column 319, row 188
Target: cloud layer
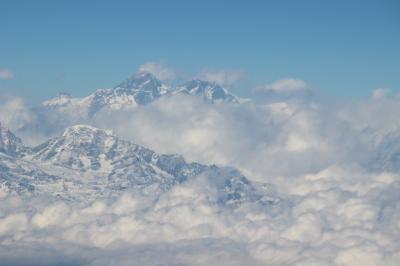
column 323, row 223
column 333, row 167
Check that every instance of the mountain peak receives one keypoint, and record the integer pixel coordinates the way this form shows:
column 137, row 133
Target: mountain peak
column 210, row 91
column 139, row 89
column 78, row 147
column 84, row 134
column 141, row 80
column 111, row 163
column 79, row 129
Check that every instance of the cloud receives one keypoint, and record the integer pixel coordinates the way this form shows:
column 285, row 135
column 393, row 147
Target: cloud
column 333, row 209
column 14, row 113
column 380, row 93
column 259, row 139
column 226, row 78
column 337, row 216
column 286, row 85
column 6, row 73
column 377, row 117
column 160, row 70
column 26, row 122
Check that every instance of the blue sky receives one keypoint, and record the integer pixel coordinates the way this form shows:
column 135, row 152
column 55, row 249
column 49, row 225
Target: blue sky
column 345, row 49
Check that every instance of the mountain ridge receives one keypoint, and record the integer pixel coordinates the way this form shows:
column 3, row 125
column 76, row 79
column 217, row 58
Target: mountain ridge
column 141, row 88
column 84, row 162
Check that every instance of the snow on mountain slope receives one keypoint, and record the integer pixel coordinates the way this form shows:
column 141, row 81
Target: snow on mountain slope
column 209, row 91
column 140, row 89
column 24, row 178
column 15, row 174
column 9, row 143
column 86, row 163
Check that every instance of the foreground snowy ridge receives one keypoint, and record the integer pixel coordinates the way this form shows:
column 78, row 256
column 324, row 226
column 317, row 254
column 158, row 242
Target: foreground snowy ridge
column 88, row 163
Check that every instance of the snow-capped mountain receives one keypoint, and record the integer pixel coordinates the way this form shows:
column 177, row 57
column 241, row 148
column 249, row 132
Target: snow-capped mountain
column 144, row 86
column 209, row 91
column 15, row 174
column 140, row 89
column 87, row 163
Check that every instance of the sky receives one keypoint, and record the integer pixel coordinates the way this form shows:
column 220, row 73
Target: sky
column 345, row 49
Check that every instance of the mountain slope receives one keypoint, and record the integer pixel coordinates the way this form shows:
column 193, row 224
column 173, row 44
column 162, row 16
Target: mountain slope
column 210, row 92
column 9, row 143
column 86, row 163
column 140, row 89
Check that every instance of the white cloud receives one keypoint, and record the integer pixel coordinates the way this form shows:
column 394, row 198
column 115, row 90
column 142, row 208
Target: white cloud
column 260, row 140
column 344, row 216
column 14, row 113
column 380, row 93
column 333, row 209
column 6, row 73
column 375, row 116
column 13, row 223
column 225, row 78
column 286, row 85
column 52, row 215
column 160, row 70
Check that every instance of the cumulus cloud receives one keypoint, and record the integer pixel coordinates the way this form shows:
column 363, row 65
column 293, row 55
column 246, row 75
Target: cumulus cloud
column 259, row 139
column 23, row 120
column 338, row 216
column 285, row 85
column 226, row 78
column 6, row 73
column 377, row 117
column 160, row 70
column 14, row 113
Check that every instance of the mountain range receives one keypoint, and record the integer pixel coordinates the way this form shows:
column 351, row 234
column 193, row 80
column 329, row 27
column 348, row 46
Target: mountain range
column 86, row 163
column 140, row 89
